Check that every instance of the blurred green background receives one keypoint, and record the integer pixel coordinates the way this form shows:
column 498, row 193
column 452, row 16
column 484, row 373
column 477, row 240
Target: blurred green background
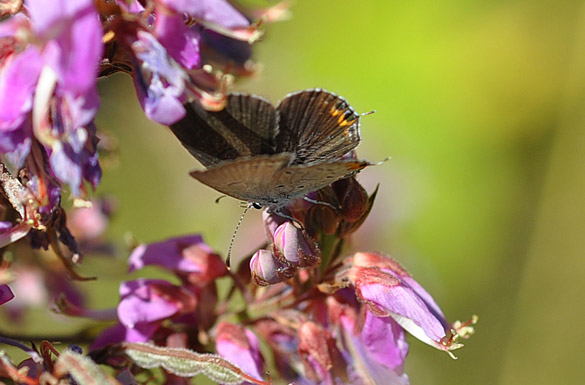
column 480, row 106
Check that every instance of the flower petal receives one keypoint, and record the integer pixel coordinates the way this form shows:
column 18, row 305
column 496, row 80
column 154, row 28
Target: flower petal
column 5, row 294
column 240, row 346
column 180, row 42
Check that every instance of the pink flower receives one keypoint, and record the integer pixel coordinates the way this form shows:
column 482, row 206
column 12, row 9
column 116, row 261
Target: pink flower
column 377, row 348
column 389, row 291
column 146, row 303
column 5, row 294
column 187, row 256
column 240, row 346
column 322, row 359
column 48, row 75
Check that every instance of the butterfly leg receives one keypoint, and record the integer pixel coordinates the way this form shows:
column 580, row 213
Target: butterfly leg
column 316, row 202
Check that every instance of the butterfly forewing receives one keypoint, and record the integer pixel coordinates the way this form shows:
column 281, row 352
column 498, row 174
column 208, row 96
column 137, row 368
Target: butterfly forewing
column 298, row 180
column 245, row 127
column 248, row 179
column 316, row 125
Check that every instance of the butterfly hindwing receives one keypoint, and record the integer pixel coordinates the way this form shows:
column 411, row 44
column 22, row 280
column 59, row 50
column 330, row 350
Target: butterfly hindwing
column 247, row 179
column 298, row 180
column 245, row 127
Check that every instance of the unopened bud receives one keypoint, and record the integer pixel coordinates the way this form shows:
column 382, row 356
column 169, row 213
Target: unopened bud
column 354, row 200
column 267, row 270
column 291, row 246
column 271, row 222
column 327, row 219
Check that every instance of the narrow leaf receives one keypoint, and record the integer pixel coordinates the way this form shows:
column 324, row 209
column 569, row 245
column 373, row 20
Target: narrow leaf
column 82, row 369
column 187, row 363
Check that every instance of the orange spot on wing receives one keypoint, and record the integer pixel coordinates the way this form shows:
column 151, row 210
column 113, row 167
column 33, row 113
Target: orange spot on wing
column 334, row 111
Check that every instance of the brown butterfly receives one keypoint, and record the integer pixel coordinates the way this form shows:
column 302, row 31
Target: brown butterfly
column 270, row 156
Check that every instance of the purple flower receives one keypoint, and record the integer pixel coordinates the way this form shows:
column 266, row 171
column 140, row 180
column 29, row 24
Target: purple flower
column 283, row 341
column 389, row 291
column 160, row 81
column 219, row 12
column 5, row 294
column 187, row 255
column 12, row 233
column 146, row 303
column 377, row 349
column 323, row 362
column 181, row 42
column 48, row 73
column 162, row 51
column 241, row 347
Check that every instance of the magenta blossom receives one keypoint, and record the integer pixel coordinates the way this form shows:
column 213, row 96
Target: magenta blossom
column 48, row 73
column 5, row 294
column 241, row 347
column 188, row 256
column 146, row 303
column 376, row 348
column 162, row 51
column 389, row 291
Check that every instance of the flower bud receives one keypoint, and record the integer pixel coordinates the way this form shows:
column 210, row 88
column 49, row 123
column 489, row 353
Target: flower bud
column 327, row 220
column 352, row 206
column 88, row 223
column 267, row 270
column 353, row 198
column 241, row 347
column 321, row 357
column 271, row 222
column 291, row 246
column 5, row 294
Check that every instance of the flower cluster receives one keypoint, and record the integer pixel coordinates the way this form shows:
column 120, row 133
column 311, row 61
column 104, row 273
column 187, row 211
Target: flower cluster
column 51, row 56
column 326, row 319
column 322, row 315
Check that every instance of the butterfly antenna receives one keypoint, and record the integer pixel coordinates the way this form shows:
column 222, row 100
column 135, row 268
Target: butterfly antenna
column 368, row 113
column 220, row 198
column 229, row 254
column 382, row 161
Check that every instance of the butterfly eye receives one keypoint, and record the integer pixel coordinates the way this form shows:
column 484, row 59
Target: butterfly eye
column 257, row 206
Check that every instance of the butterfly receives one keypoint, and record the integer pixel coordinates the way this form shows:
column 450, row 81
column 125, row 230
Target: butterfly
column 270, row 156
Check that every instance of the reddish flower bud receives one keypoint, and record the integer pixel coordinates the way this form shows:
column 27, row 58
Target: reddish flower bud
column 327, row 220
column 267, row 270
column 5, row 294
column 291, row 246
column 352, row 206
column 353, row 198
column 241, row 347
column 319, row 354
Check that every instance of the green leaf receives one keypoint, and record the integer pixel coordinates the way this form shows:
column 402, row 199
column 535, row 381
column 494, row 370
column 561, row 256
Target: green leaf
column 187, row 363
